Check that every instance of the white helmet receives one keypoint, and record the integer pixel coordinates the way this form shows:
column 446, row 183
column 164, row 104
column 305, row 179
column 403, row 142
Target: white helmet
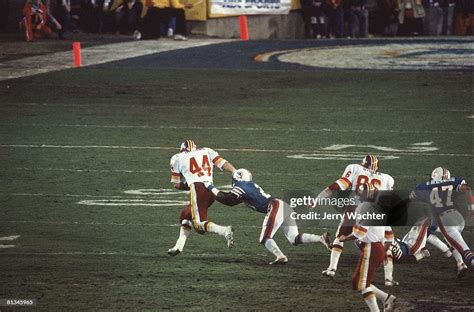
column 440, row 174
column 241, row 175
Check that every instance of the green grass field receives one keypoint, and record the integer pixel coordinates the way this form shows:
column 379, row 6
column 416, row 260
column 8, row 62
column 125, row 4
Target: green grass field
column 87, row 136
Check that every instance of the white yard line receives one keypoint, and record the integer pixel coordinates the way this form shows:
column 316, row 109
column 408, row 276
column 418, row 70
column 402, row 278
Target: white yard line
column 68, row 223
column 89, row 170
column 406, row 153
column 234, row 128
column 6, row 246
column 95, row 55
column 9, row 238
column 60, row 195
column 245, row 108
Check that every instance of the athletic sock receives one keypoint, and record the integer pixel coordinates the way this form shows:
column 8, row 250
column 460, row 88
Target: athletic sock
column 388, row 266
column 214, row 228
column 380, row 294
column 184, row 232
column 458, row 257
column 469, row 256
column 370, row 300
column 306, row 238
column 435, row 241
column 336, row 251
column 273, row 248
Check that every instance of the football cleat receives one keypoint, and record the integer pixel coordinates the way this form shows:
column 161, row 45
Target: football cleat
column 424, row 253
column 229, row 236
column 389, row 303
column 440, row 174
column 391, row 282
column 173, row 252
column 462, row 270
column 329, row 272
column 447, row 253
column 326, row 240
column 280, row 260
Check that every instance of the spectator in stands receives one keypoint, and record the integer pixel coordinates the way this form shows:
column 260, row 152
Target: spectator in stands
column 75, row 15
column 127, row 14
column 61, row 9
column 306, row 16
column 335, row 15
column 464, row 17
column 35, row 15
column 4, row 10
column 161, row 11
column 385, row 18
column 358, row 15
column 448, row 12
column 176, row 10
column 433, row 22
column 106, row 18
column 89, row 16
column 410, row 18
column 318, row 19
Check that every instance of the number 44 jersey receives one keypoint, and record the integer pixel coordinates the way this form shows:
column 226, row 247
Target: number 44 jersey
column 195, row 166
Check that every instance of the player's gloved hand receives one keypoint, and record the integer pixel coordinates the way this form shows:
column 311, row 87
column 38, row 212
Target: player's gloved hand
column 209, row 185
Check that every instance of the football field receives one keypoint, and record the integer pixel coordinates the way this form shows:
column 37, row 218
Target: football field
column 84, row 167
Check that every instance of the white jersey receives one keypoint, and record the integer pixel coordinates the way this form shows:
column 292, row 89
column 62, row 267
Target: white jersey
column 373, row 234
column 195, row 166
column 356, row 175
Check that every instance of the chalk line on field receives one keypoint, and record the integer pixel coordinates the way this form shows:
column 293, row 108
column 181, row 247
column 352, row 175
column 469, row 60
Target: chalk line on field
column 255, row 129
column 95, row 55
column 9, row 238
column 6, row 246
column 255, row 150
column 222, row 107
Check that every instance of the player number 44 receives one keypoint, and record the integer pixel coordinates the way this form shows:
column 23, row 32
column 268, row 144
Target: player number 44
column 194, row 168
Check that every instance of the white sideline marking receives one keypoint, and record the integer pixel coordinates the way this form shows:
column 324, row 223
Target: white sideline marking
column 133, row 202
column 6, row 246
column 9, row 238
column 59, row 195
column 110, row 224
column 155, row 192
column 472, row 116
column 244, row 108
column 95, row 55
column 415, row 147
column 337, row 156
column 238, row 128
column 125, row 254
column 91, row 170
column 407, row 152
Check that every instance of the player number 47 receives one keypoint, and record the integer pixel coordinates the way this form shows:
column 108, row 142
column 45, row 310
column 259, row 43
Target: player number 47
column 436, row 199
column 194, row 168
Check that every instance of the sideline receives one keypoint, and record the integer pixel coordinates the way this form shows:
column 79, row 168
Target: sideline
column 96, row 55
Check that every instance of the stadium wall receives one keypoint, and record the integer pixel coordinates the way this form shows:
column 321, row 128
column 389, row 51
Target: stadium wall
column 260, row 26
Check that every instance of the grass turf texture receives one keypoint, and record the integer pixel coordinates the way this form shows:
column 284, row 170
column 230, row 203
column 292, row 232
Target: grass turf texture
column 79, row 257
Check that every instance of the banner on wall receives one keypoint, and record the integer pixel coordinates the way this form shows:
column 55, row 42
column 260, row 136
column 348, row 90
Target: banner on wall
column 250, row 7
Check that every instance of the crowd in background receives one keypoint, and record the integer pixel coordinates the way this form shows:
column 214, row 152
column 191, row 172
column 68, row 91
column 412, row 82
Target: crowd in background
column 150, row 19
column 144, row 19
column 350, row 18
